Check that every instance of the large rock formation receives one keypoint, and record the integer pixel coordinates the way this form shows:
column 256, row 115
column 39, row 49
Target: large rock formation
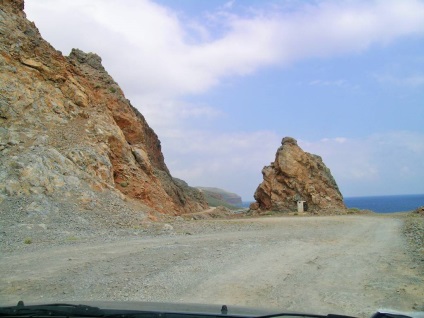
column 68, row 135
column 294, row 176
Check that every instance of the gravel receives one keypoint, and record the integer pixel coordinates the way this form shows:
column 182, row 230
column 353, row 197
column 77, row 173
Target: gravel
column 339, row 264
column 413, row 229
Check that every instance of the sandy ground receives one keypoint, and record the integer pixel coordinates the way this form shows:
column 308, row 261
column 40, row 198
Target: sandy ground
column 350, row 265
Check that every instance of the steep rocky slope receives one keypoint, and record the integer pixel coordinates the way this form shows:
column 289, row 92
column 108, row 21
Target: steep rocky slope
column 219, row 195
column 69, row 139
column 294, row 176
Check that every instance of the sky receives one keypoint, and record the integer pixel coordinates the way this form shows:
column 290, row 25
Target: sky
column 222, row 82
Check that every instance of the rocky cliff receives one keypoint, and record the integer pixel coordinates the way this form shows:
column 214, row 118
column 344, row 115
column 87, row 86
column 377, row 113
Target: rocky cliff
column 294, row 176
column 68, row 135
column 215, row 196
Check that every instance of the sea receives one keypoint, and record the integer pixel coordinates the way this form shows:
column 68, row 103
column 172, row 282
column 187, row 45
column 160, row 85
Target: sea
column 386, row 203
column 383, row 203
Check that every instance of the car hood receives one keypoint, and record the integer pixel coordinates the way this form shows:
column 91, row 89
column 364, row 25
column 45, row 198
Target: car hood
column 184, row 308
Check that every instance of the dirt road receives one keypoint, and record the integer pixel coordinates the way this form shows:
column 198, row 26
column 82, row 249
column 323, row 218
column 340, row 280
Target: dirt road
column 338, row 264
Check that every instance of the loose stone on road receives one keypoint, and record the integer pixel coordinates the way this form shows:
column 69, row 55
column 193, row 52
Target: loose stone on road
column 351, row 265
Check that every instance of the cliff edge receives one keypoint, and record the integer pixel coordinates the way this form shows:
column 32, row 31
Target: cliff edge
column 69, row 137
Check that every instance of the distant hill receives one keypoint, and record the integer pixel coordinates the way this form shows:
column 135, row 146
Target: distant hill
column 217, row 197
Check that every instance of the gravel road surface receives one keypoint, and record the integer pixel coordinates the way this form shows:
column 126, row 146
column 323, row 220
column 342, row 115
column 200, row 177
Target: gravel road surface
column 351, row 265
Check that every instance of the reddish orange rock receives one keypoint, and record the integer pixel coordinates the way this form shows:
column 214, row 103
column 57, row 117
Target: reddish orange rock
column 68, row 123
column 296, row 176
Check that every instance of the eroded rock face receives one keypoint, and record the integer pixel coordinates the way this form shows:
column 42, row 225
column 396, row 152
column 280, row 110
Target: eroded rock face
column 67, row 132
column 294, row 176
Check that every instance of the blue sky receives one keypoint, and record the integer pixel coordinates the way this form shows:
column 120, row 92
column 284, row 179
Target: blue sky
column 222, row 82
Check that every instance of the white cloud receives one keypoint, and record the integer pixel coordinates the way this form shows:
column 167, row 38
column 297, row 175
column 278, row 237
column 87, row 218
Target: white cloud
column 172, row 116
column 232, row 161
column 338, row 83
column 159, row 56
column 229, row 4
column 385, row 163
column 150, row 50
column 415, row 80
column 341, row 140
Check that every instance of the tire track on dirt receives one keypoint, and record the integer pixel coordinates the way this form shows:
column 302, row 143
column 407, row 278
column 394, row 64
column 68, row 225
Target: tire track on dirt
column 340, row 264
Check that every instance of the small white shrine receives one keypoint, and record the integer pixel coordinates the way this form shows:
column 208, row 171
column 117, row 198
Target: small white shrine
column 300, row 206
